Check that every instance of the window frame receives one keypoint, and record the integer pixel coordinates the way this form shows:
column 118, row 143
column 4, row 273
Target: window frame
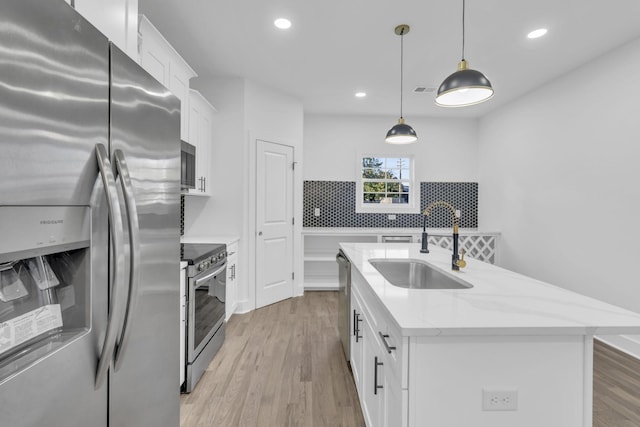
column 413, row 207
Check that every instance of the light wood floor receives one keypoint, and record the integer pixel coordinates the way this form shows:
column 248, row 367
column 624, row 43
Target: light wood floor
column 283, row 365
column 616, row 388
column 280, row 365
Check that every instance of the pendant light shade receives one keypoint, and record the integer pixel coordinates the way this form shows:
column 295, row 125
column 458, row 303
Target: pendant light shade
column 466, row 86
column 401, row 133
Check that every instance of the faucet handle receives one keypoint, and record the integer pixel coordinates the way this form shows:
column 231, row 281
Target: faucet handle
column 461, row 262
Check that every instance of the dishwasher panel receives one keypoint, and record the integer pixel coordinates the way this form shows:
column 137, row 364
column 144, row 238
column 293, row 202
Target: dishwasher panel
column 344, row 301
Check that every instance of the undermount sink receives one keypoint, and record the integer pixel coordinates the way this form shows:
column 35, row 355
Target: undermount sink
column 415, row 274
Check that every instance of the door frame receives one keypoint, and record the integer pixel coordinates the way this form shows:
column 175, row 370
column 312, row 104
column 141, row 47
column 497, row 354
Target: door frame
column 250, row 229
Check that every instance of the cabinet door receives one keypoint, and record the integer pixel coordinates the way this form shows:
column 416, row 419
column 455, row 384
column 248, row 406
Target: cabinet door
column 195, row 113
column 372, row 396
column 162, row 61
column 154, row 54
column 393, row 414
column 231, row 288
column 356, row 342
column 232, row 279
column 200, row 135
column 179, row 86
column 116, row 19
column 203, row 158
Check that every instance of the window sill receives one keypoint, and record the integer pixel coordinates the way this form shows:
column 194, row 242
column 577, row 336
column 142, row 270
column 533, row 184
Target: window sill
column 388, row 209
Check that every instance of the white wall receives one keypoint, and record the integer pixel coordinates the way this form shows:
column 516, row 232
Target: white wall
column 446, row 149
column 274, row 117
column 559, row 177
column 246, row 111
column 218, row 214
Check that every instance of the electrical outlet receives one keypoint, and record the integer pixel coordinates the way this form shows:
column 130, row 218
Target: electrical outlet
column 499, row 399
column 316, row 212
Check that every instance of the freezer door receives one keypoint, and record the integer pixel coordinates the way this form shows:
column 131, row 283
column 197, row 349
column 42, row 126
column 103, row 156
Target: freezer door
column 53, row 109
column 54, row 93
column 145, row 138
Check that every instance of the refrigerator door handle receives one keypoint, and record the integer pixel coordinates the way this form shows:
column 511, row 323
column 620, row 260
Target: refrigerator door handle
column 116, row 307
column 134, row 253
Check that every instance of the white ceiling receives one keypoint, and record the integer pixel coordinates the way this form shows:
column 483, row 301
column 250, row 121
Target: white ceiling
column 338, row 47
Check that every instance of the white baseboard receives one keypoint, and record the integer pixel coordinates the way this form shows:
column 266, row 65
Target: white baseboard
column 244, row 307
column 629, row 344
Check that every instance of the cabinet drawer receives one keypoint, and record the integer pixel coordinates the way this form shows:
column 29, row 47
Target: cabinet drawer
column 395, row 348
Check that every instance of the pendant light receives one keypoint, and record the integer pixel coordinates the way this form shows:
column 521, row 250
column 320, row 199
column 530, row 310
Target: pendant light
column 401, row 133
column 465, row 86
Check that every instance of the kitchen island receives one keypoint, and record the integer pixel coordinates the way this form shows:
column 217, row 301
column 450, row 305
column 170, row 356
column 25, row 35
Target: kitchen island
column 508, row 351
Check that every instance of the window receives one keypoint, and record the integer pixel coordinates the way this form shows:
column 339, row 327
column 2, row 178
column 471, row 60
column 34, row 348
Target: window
column 386, row 185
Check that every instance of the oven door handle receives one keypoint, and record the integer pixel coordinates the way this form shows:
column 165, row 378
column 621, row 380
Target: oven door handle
column 210, row 275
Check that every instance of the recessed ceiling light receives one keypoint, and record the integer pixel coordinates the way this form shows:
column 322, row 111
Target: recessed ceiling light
column 537, row 33
column 361, row 94
column 282, row 23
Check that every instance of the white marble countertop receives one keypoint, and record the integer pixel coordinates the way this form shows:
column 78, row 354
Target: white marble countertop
column 227, row 240
column 501, row 302
column 392, row 231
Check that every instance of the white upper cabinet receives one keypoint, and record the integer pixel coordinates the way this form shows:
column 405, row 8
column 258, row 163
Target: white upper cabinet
column 201, row 114
column 162, row 61
column 116, row 19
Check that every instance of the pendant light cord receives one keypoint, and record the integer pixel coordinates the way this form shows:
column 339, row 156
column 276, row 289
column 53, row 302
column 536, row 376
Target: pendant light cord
column 463, row 8
column 401, row 66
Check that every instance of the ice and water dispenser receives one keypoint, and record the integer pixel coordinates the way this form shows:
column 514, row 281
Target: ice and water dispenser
column 45, row 278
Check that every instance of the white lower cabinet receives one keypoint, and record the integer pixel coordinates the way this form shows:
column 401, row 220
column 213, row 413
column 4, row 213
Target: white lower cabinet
column 372, row 396
column 232, row 279
column 395, row 402
column 377, row 362
column 357, row 342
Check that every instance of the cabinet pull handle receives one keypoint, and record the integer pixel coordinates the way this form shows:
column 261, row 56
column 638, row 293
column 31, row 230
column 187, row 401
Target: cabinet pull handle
column 357, row 326
column 384, row 341
column 354, row 322
column 375, row 375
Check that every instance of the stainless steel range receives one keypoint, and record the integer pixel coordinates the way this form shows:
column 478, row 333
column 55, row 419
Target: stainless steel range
column 206, row 287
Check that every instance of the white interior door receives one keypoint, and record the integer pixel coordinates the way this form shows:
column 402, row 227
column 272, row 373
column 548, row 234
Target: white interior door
column 274, row 223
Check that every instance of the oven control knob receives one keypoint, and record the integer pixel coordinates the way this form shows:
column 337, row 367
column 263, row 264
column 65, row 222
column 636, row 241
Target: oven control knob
column 201, row 266
column 213, row 260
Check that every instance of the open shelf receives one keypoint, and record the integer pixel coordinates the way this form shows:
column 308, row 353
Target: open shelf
column 320, row 249
column 320, row 267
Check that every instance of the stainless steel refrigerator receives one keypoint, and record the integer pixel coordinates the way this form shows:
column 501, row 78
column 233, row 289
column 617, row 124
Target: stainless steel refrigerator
column 89, row 228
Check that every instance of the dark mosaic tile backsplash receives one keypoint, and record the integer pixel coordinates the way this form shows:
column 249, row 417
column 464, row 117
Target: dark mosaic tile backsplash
column 181, row 215
column 337, row 203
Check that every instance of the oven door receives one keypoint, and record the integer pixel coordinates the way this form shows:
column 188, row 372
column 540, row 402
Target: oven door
column 206, row 308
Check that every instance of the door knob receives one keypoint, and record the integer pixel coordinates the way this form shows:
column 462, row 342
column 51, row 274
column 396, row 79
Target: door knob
column 259, row 233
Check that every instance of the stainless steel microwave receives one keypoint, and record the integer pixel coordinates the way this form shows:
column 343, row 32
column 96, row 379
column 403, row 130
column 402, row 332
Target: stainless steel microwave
column 187, row 166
